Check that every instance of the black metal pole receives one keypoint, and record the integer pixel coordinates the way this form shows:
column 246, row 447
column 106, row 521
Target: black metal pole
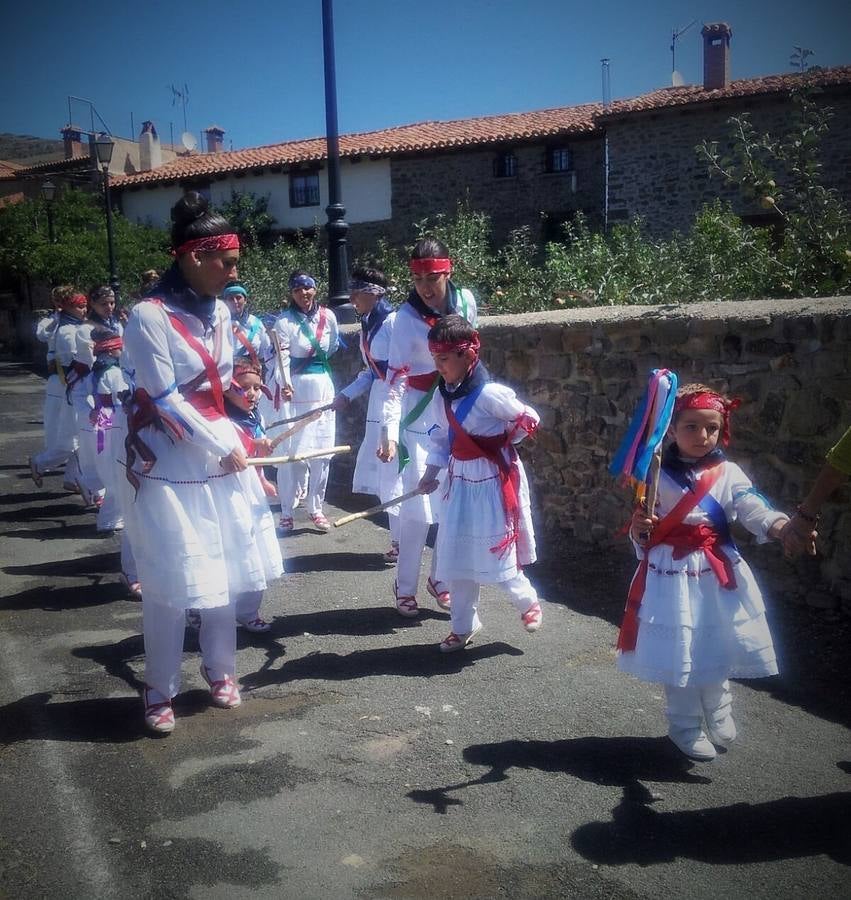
column 113, row 275
column 337, row 227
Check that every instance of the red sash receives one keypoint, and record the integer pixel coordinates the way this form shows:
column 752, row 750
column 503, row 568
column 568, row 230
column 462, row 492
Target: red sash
column 370, row 359
column 252, row 353
column 670, row 530
column 467, row 446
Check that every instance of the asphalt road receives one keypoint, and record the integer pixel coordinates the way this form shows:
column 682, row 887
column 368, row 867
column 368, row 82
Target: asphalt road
column 363, row 763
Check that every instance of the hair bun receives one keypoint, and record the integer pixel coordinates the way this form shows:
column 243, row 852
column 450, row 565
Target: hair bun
column 191, row 207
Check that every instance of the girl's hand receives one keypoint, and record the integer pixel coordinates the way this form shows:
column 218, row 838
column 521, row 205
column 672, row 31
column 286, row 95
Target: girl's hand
column 386, row 454
column 235, row 461
column 428, row 485
column 341, row 401
column 641, row 525
column 262, row 447
column 287, row 392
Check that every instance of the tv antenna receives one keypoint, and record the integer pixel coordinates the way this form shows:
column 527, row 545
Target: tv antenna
column 798, row 60
column 607, row 80
column 182, row 97
column 676, row 78
column 189, row 141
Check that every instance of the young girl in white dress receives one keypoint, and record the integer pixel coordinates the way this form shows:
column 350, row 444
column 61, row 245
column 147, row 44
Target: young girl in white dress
column 368, row 290
column 695, row 615
column 485, row 534
column 307, row 336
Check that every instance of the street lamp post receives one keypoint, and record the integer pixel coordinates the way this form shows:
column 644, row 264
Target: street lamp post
column 338, row 289
column 104, row 147
column 48, row 192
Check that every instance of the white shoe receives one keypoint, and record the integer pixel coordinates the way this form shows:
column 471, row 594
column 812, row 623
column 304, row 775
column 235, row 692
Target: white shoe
column 694, row 743
column 721, row 731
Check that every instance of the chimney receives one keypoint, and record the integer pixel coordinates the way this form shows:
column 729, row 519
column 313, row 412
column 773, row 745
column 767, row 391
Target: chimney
column 716, row 56
column 150, row 151
column 72, row 138
column 215, row 139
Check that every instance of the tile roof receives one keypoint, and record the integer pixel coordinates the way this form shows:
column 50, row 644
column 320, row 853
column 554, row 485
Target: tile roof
column 45, row 168
column 585, row 119
column 7, row 167
column 747, row 87
column 422, row 136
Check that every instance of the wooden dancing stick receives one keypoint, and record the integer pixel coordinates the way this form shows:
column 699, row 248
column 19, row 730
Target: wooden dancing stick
column 653, row 485
column 279, row 356
column 297, row 457
column 300, row 416
column 291, row 431
column 374, row 509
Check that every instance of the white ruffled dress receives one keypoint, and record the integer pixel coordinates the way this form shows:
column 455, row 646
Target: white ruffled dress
column 191, row 525
column 692, row 631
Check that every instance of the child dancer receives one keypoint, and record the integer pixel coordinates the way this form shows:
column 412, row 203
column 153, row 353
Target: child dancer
column 368, row 289
column 109, row 390
column 695, row 616
column 485, row 534
column 241, row 406
column 307, row 334
column 60, row 424
column 412, row 381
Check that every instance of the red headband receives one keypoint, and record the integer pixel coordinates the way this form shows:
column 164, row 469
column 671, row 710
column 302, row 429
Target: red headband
column 431, row 266
column 713, row 401
column 78, row 300
column 458, row 346
column 209, row 244
column 105, row 346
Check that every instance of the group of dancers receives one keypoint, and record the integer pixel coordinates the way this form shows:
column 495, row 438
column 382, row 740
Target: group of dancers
column 165, row 425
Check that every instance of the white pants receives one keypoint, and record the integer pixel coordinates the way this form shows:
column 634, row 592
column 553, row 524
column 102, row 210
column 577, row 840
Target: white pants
column 247, row 606
column 393, row 523
column 688, row 706
column 164, row 628
column 412, row 537
column 465, row 600
column 291, row 477
column 128, row 561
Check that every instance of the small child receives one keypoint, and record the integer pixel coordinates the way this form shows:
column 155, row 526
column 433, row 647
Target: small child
column 109, row 390
column 695, row 616
column 485, row 534
column 241, row 401
column 368, row 291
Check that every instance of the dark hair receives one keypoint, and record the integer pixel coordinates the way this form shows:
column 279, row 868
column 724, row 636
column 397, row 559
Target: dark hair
column 371, row 273
column 192, row 219
column 149, row 277
column 451, row 329
column 99, row 292
column 429, row 248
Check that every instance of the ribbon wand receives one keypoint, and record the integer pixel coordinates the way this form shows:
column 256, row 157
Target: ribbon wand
column 376, row 509
column 639, row 458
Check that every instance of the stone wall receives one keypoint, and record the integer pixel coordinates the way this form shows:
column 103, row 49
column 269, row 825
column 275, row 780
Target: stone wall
column 425, row 185
column 584, row 371
column 655, row 173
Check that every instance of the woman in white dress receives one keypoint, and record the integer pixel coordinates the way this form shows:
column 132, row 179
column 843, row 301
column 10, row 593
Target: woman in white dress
column 307, row 336
column 187, row 513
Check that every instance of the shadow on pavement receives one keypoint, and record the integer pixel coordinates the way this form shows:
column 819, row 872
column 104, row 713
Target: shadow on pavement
column 738, row 834
column 335, row 562
column 85, row 531
column 410, row 660
column 113, row 720
column 43, row 513
column 375, row 620
column 619, row 762
column 51, row 599
column 82, row 566
column 39, row 497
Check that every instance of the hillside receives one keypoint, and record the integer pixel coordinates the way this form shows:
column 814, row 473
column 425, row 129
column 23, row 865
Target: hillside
column 29, row 149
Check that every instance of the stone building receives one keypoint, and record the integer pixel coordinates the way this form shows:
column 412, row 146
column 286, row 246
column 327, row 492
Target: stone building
column 633, row 157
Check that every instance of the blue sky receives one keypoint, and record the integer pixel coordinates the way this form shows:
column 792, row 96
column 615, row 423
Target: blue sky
column 255, row 67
